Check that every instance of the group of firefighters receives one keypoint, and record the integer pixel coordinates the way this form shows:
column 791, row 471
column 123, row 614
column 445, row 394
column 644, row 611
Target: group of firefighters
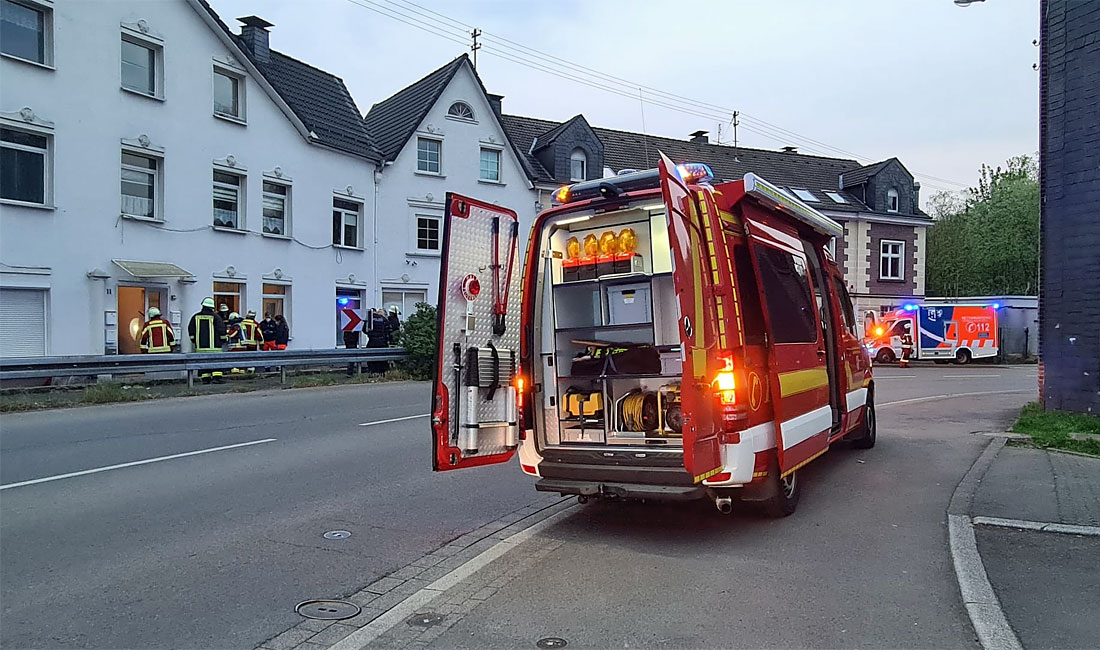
column 211, row 331
column 222, row 330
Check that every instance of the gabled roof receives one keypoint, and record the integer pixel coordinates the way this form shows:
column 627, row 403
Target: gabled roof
column 859, row 176
column 629, row 150
column 391, row 122
column 548, row 138
column 318, row 99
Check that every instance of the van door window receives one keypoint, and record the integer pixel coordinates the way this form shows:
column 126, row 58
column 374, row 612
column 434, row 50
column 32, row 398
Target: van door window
column 846, row 310
column 752, row 318
column 786, row 288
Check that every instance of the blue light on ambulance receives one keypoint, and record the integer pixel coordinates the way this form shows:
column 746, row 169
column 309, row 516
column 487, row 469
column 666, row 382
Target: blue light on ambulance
column 996, row 305
column 342, row 301
column 910, row 307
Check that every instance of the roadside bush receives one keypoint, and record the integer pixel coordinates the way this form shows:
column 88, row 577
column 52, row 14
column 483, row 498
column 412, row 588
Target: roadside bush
column 418, row 337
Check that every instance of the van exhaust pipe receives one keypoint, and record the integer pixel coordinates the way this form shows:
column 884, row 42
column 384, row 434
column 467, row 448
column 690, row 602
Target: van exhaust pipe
column 724, row 504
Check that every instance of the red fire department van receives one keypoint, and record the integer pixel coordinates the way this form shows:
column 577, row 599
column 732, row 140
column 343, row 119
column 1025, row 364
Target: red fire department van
column 668, row 339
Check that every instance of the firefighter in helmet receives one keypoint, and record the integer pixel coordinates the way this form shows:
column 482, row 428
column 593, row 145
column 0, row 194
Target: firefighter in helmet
column 207, row 333
column 157, row 337
column 906, row 346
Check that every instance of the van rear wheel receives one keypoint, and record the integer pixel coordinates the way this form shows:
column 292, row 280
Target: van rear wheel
column 785, row 491
column 869, row 430
column 962, row 357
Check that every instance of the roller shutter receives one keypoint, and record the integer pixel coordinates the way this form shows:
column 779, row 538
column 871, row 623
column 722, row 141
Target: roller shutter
column 22, row 322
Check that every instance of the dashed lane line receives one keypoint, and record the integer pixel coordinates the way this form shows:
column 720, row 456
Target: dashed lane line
column 409, row 417
column 108, row 468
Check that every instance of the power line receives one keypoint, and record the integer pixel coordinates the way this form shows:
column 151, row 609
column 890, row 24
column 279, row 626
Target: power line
column 523, row 55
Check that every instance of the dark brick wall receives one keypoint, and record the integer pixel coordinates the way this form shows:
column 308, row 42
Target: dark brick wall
column 1069, row 134
column 577, row 135
column 841, row 254
column 907, row 234
column 892, row 176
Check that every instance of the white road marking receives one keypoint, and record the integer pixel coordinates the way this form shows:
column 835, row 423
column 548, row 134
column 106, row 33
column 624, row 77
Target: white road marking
column 411, row 417
column 132, row 464
column 935, row 397
column 958, row 376
column 1039, row 526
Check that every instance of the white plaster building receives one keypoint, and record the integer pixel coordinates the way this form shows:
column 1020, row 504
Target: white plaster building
column 440, row 134
column 151, row 158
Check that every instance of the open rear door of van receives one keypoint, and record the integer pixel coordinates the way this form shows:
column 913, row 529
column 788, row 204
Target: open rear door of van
column 475, row 403
column 697, row 325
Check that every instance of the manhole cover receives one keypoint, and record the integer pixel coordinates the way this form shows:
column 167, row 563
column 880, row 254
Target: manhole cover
column 337, row 534
column 328, row 610
column 425, row 619
column 551, row 642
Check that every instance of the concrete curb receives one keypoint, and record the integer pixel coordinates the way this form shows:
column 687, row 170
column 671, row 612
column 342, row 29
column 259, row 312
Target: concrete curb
column 410, row 605
column 982, row 606
column 1038, row 526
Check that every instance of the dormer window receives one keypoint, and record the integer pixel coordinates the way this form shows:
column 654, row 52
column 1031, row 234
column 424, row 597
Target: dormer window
column 892, row 200
column 461, row 111
column 578, row 165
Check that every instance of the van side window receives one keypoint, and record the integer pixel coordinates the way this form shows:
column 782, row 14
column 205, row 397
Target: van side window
column 786, row 288
column 845, row 305
column 752, row 318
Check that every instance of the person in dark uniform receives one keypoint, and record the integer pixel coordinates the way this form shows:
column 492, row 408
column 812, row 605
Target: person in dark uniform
column 394, row 321
column 906, row 346
column 207, row 333
column 378, row 336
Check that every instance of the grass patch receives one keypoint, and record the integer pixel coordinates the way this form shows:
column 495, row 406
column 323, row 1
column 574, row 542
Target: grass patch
column 339, row 378
column 109, row 393
column 1052, row 429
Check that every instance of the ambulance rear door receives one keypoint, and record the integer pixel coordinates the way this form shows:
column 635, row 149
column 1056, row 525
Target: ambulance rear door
column 475, row 403
column 698, row 323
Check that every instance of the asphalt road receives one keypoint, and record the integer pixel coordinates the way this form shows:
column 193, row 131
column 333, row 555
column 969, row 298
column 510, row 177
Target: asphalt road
column 214, row 550
column 864, row 563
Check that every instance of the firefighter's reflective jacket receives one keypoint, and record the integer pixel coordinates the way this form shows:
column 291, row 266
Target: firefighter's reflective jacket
column 206, row 331
column 157, row 336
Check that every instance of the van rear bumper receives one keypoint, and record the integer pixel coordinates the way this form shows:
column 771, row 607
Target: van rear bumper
column 622, row 490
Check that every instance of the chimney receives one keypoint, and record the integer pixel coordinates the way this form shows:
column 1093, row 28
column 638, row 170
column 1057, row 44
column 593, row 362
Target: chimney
column 790, row 149
column 255, row 37
column 494, row 101
column 700, row 137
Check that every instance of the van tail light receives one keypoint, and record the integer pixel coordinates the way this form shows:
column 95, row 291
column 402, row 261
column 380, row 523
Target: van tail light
column 720, row 477
column 521, row 405
column 724, row 384
column 529, row 469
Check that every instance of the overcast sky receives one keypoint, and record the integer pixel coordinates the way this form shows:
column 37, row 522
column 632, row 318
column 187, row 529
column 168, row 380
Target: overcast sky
column 943, row 88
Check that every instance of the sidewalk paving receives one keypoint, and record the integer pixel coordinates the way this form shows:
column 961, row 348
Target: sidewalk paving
column 1046, row 581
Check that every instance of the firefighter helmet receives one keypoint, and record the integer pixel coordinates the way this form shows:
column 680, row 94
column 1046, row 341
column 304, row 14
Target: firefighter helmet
column 154, row 312
column 208, row 302
column 251, row 313
column 223, row 307
column 234, row 315
column 393, row 309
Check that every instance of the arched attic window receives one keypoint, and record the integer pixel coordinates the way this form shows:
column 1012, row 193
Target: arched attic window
column 892, row 200
column 578, row 165
column 461, row 110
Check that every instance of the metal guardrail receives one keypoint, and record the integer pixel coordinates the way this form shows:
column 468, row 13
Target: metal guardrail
column 124, row 364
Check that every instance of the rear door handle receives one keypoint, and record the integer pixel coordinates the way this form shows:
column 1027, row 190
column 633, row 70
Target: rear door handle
column 821, row 353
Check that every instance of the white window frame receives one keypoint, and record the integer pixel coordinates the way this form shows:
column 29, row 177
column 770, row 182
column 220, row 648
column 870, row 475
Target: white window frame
column 405, row 291
column 158, row 183
column 242, row 195
column 47, row 164
column 242, row 107
column 344, row 214
column 156, row 45
column 44, row 7
column 416, row 248
column 893, row 202
column 500, row 159
column 805, row 195
column 285, row 198
column 439, row 163
column 472, row 117
column 886, row 256
column 282, row 297
column 583, row 160
column 242, row 287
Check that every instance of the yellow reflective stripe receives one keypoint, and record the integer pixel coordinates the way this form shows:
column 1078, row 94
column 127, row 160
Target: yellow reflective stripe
column 759, row 474
column 803, row 463
column 703, row 477
column 800, row 381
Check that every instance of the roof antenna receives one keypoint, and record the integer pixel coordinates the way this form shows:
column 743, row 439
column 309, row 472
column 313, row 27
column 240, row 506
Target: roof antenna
column 475, row 46
column 645, row 141
column 735, row 123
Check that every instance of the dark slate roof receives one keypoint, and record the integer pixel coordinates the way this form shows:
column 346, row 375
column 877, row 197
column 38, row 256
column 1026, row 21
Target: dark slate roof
column 628, row 150
column 859, row 176
column 548, row 138
column 392, row 121
column 319, row 99
column 522, row 131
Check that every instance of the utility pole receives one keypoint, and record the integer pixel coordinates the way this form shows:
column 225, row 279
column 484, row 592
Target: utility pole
column 734, row 122
column 475, row 46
